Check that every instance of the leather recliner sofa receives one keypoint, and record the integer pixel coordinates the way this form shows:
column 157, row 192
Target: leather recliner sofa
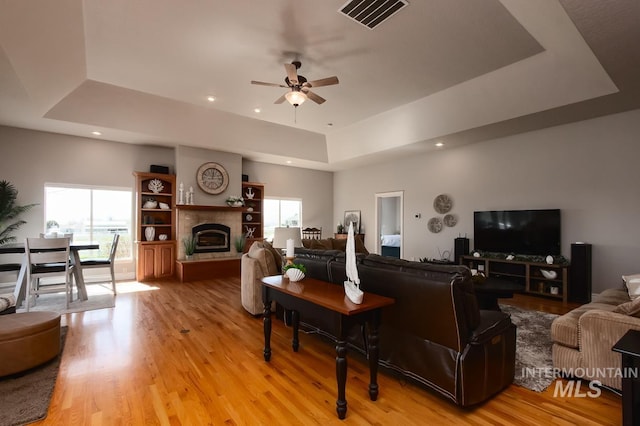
column 434, row 334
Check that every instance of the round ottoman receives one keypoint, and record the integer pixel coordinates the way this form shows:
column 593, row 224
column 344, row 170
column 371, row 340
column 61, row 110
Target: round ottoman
column 28, row 339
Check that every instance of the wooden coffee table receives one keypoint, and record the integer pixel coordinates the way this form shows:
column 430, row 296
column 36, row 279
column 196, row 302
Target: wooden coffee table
column 295, row 296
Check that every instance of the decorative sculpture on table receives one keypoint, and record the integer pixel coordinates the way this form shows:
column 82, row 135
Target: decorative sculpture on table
column 352, row 285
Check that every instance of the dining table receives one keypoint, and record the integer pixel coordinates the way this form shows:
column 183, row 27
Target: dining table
column 20, row 290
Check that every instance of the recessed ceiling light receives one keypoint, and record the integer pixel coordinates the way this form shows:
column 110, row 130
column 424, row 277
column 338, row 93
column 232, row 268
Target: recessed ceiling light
column 97, row 133
column 256, row 110
column 211, row 98
column 439, row 144
column 329, row 124
column 289, row 161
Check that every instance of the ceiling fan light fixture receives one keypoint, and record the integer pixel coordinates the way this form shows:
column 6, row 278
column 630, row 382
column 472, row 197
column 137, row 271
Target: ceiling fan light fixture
column 295, row 97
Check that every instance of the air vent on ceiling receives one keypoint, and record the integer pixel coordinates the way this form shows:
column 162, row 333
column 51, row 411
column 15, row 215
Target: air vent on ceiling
column 371, row 13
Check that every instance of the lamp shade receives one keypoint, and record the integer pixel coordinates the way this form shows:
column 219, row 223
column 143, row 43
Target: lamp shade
column 281, row 235
column 295, row 97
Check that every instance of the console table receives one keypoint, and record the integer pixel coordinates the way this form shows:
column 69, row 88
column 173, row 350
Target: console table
column 296, row 295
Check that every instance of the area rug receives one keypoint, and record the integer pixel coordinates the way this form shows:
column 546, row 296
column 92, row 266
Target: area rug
column 26, row 396
column 98, row 298
column 533, row 347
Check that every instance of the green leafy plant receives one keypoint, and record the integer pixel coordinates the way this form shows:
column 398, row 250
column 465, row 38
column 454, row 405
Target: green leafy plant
column 295, row 266
column 9, row 212
column 240, row 242
column 189, row 244
column 233, row 200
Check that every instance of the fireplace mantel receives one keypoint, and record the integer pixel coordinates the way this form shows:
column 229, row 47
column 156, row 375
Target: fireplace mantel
column 210, row 208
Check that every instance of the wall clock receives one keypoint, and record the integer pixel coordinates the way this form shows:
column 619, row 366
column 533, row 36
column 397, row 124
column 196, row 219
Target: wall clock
column 442, row 203
column 212, row 178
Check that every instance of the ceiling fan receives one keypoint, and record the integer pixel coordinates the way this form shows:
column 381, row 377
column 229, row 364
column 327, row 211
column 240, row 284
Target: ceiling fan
column 300, row 87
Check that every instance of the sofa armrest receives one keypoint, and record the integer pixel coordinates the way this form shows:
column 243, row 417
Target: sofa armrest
column 250, row 285
column 492, row 323
column 599, row 331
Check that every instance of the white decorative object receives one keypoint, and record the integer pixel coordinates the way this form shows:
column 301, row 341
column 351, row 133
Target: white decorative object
column 250, row 231
column 190, row 196
column 294, row 274
column 249, row 209
column 250, row 193
column 352, row 285
column 162, row 237
column 550, row 275
column 181, row 194
column 248, row 218
column 549, row 260
column 476, row 254
column 510, row 257
column 554, row 290
column 290, row 248
column 155, row 185
column 149, row 233
column 164, row 206
column 150, row 204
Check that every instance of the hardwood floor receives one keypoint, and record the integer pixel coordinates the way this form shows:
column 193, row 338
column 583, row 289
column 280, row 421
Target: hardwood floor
column 187, row 353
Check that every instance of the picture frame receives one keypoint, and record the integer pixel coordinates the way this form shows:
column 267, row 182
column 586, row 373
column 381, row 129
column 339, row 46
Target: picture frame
column 352, row 216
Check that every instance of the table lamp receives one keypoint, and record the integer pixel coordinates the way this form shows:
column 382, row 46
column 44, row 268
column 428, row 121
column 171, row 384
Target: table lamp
column 287, row 239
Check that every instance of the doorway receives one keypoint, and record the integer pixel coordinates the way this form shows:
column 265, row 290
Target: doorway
column 389, row 223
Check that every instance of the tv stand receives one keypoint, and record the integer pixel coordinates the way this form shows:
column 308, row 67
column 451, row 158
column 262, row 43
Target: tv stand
column 528, row 274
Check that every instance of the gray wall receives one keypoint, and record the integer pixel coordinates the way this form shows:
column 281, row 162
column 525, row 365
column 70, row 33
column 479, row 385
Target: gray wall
column 30, row 159
column 188, row 161
column 313, row 187
column 587, row 169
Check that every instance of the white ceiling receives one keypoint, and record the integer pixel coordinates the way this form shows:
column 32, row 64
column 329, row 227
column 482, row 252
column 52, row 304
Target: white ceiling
column 457, row 71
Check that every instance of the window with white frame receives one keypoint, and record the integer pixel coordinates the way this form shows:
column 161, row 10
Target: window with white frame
column 91, row 215
column 287, row 212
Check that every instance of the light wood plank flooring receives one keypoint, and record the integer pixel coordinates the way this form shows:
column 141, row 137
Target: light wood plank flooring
column 187, row 353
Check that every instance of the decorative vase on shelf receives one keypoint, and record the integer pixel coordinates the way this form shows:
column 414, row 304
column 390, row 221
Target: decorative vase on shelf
column 150, row 233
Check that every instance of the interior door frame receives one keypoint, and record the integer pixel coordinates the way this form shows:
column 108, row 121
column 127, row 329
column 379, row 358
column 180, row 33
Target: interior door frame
column 378, row 197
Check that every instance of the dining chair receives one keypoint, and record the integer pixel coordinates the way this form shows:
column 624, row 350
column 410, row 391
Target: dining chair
column 48, row 258
column 312, row 233
column 104, row 263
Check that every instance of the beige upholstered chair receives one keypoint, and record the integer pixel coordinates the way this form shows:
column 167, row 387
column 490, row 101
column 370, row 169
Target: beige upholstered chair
column 48, row 257
column 104, row 263
column 260, row 261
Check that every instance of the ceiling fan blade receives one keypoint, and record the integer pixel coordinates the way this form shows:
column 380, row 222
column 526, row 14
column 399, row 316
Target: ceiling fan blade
column 315, row 98
column 262, row 83
column 280, row 100
column 292, row 74
column 323, row 82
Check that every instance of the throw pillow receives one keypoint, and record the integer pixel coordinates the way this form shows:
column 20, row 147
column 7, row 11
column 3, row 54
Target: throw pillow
column 631, row 308
column 277, row 257
column 360, row 248
column 257, row 252
column 322, row 244
column 632, row 282
column 339, row 244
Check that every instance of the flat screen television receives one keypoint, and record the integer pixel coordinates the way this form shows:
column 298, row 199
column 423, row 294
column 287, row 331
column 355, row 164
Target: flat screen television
column 532, row 232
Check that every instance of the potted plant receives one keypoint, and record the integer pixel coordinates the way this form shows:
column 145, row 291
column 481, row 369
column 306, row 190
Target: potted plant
column 234, row 201
column 240, row 242
column 295, row 271
column 9, row 212
column 189, row 244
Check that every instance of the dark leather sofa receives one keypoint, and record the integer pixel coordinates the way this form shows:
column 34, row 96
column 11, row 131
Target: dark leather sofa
column 434, row 334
